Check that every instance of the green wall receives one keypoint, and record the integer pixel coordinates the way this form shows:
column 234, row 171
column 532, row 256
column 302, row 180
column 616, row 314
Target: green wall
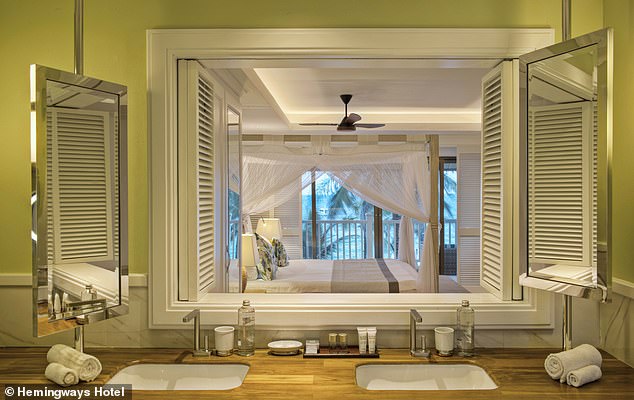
column 619, row 14
column 41, row 31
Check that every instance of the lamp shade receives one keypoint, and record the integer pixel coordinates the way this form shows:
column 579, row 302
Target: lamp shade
column 250, row 256
column 269, row 228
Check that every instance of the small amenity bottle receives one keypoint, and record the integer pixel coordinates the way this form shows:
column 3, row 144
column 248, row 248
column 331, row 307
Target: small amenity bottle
column 246, row 329
column 465, row 322
column 89, row 293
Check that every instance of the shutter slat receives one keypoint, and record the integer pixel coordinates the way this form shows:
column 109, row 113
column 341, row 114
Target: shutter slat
column 556, row 187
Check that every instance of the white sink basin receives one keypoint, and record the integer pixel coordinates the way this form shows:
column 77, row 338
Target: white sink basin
column 182, row 376
column 423, row 377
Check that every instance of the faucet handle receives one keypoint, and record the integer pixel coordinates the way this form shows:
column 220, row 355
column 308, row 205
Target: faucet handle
column 195, row 313
column 423, row 352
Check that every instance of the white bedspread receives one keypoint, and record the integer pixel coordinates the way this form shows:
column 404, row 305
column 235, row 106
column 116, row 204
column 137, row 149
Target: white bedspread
column 315, row 276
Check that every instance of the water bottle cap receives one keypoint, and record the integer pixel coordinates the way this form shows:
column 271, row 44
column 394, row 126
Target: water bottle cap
column 246, row 303
column 465, row 303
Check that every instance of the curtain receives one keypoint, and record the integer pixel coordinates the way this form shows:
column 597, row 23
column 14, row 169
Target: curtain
column 393, row 177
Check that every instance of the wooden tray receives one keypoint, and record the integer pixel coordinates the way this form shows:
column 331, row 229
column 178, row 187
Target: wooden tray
column 353, row 352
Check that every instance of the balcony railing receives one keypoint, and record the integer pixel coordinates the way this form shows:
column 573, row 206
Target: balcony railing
column 338, row 239
column 353, row 239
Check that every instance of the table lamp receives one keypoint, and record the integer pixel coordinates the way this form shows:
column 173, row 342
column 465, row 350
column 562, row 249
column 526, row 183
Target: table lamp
column 249, row 258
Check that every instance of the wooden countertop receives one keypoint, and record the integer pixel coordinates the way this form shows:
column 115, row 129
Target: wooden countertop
column 519, row 373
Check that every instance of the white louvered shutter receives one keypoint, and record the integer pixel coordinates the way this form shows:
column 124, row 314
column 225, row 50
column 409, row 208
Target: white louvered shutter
column 561, row 185
column 78, row 186
column 205, row 185
column 50, row 226
column 468, row 232
column 198, row 110
column 290, row 215
column 498, row 131
column 115, row 178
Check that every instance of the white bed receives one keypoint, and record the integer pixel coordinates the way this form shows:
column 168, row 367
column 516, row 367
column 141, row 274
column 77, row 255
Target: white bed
column 351, row 276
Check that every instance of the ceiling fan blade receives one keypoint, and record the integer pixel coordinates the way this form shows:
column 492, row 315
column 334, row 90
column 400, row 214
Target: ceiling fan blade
column 354, row 118
column 350, row 119
column 369, row 125
column 316, row 124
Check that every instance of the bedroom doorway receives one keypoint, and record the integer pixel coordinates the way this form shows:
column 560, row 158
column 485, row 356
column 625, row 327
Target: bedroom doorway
column 447, row 214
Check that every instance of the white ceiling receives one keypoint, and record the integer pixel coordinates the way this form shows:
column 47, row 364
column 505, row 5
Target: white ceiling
column 424, row 99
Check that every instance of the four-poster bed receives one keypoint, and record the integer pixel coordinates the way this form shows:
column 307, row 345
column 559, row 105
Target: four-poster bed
column 392, row 177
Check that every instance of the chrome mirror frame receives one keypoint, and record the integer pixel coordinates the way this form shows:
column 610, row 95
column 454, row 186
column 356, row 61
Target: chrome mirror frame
column 40, row 75
column 603, row 39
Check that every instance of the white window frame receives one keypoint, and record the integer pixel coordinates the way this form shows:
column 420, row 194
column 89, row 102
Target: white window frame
column 310, row 311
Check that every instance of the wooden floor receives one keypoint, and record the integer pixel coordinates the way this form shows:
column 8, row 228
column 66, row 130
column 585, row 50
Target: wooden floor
column 519, row 373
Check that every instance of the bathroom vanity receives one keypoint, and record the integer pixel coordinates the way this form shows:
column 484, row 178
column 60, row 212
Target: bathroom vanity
column 518, row 373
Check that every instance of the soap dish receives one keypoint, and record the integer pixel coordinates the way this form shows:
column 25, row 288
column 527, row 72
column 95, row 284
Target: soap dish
column 285, row 347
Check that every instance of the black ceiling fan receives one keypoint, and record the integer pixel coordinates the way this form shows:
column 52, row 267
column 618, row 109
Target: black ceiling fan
column 349, row 121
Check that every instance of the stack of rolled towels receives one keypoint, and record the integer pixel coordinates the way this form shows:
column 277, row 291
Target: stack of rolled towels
column 68, row 366
column 576, row 367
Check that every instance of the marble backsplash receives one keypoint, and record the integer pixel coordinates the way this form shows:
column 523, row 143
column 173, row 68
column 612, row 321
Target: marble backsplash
column 132, row 330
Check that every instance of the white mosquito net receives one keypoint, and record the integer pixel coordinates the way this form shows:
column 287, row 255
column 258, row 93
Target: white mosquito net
column 393, row 177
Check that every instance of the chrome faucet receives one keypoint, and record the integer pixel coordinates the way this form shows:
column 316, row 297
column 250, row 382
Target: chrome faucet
column 414, row 318
column 195, row 315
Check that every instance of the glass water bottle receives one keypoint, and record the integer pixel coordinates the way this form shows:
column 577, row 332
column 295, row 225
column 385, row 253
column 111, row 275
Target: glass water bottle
column 246, row 329
column 465, row 320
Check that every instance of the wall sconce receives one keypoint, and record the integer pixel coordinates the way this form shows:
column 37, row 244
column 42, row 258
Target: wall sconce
column 269, row 228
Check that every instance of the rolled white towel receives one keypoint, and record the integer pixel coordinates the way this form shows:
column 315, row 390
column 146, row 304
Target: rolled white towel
column 581, row 376
column 559, row 364
column 86, row 366
column 61, row 375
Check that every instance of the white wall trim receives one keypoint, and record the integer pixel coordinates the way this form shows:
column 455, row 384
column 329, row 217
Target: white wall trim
column 309, row 311
column 136, row 280
column 388, row 43
column 623, row 287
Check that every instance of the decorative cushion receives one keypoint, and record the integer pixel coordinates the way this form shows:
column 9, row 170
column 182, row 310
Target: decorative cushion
column 280, row 252
column 267, row 267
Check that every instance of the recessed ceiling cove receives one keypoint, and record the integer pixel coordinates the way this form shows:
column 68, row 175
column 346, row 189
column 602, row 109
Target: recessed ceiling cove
column 401, row 98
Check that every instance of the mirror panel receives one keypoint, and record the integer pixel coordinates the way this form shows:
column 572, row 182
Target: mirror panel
column 566, row 134
column 79, row 190
column 233, row 201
